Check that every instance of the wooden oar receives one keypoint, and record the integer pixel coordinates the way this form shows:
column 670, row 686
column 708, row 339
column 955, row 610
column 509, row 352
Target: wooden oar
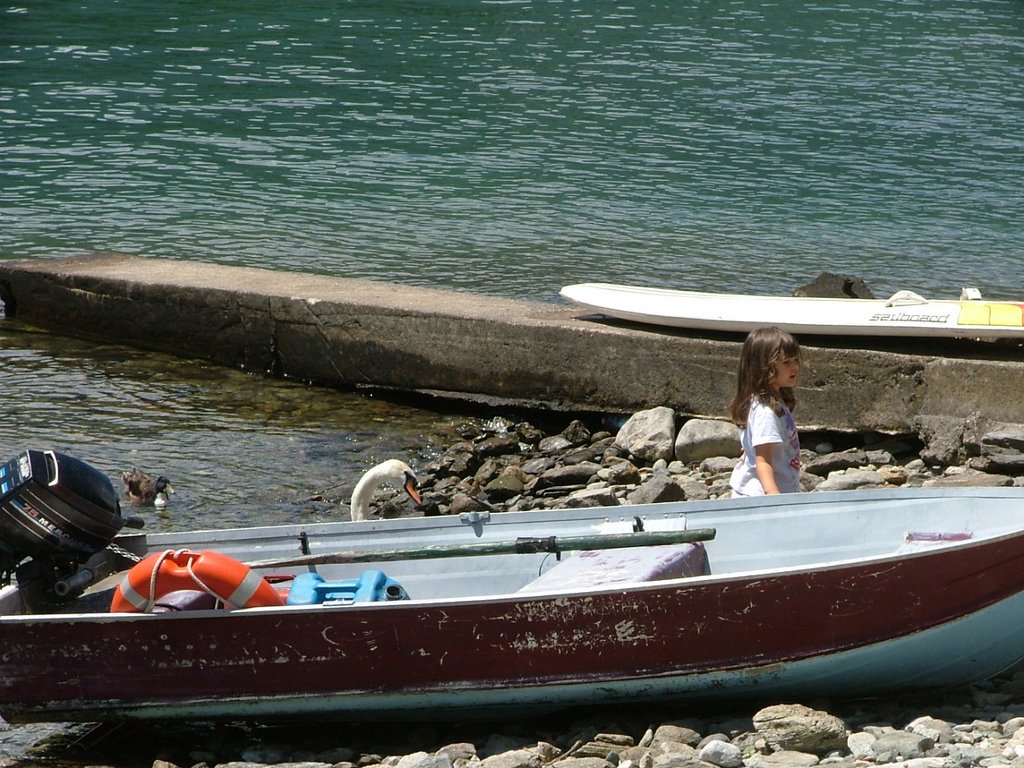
column 521, row 546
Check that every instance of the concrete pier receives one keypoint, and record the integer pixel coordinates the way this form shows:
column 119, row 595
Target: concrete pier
column 352, row 333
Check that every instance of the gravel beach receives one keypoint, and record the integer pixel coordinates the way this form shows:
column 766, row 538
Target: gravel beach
column 978, row 725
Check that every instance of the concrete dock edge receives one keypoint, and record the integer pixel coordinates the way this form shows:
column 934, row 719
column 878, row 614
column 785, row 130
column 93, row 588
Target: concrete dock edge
column 350, row 333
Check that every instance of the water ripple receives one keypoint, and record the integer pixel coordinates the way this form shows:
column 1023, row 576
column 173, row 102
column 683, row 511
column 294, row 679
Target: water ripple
column 492, row 147
column 238, row 449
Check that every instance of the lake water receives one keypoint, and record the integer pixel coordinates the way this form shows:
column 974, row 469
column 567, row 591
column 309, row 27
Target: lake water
column 502, row 147
column 238, row 449
column 513, row 146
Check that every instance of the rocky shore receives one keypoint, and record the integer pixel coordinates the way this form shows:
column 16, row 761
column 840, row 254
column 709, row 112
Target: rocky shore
column 504, row 465
column 979, row 725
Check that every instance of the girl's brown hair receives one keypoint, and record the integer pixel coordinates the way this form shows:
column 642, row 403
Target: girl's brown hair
column 762, row 350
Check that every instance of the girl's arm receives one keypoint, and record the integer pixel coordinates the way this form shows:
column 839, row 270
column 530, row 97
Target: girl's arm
column 763, row 467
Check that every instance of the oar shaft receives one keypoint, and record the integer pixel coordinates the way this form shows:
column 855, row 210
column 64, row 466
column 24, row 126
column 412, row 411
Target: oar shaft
column 522, row 545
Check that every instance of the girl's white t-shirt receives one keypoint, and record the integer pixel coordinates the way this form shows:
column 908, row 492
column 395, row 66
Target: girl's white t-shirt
column 779, row 429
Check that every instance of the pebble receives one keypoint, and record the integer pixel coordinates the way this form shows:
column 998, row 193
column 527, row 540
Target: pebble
column 947, row 730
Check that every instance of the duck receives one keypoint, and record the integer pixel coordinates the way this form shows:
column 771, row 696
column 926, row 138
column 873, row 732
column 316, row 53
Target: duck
column 146, row 489
column 391, row 472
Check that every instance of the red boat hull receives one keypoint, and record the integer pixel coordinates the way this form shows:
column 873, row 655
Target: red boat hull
column 395, row 658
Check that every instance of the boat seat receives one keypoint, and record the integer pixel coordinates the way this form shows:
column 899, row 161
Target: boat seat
column 595, row 568
column 185, row 600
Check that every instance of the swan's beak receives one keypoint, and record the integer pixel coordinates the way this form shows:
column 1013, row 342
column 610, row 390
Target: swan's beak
column 412, row 487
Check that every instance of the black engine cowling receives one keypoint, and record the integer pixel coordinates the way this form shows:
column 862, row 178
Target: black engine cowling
column 55, row 509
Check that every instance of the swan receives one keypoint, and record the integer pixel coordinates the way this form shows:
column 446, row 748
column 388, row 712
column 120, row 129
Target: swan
column 390, row 472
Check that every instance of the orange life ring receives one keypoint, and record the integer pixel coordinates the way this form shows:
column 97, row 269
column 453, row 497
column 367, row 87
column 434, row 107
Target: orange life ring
column 223, row 577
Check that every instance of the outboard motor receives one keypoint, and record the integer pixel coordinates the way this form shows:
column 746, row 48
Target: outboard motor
column 56, row 510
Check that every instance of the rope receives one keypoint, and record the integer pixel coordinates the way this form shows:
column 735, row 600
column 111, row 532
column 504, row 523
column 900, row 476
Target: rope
column 153, row 575
column 197, row 580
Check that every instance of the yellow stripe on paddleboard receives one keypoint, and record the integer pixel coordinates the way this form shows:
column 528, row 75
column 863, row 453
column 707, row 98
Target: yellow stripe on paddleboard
column 991, row 313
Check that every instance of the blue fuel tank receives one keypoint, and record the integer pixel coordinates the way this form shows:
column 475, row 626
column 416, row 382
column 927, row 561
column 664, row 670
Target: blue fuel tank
column 370, row 587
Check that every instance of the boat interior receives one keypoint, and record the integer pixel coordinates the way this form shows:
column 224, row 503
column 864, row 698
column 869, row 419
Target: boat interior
column 434, row 559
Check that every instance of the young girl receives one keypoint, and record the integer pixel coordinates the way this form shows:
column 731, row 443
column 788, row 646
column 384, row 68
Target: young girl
column 763, row 407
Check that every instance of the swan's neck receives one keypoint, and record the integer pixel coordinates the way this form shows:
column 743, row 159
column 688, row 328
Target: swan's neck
column 362, row 494
column 388, row 472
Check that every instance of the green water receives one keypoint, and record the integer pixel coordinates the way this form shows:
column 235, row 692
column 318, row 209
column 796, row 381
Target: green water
column 512, row 147
column 239, row 450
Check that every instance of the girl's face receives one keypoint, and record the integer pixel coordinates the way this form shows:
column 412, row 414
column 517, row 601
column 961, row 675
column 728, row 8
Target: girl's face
column 787, row 371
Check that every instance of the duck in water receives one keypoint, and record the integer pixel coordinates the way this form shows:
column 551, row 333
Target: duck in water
column 141, row 488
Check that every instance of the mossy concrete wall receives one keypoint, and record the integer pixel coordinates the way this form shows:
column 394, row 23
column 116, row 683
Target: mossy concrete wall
column 351, row 333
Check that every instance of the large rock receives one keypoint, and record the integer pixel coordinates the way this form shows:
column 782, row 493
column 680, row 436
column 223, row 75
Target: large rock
column 1003, row 450
column 497, row 445
column 722, row 754
column 675, row 733
column 900, row 745
column 783, row 759
column 649, row 435
column 510, row 482
column 592, row 497
column 520, row 758
column 573, row 474
column 500, row 743
column 463, row 503
column 677, row 760
column 700, row 439
column 462, row 750
column 829, row 285
column 969, row 479
column 943, row 439
column 620, row 473
column 576, row 433
column 860, row 744
column 424, row 760
column 833, row 462
column 659, row 488
column 939, row 731
column 851, row 480
column 794, row 727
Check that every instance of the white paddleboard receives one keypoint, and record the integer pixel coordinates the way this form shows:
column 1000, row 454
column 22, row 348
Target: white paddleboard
column 904, row 314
